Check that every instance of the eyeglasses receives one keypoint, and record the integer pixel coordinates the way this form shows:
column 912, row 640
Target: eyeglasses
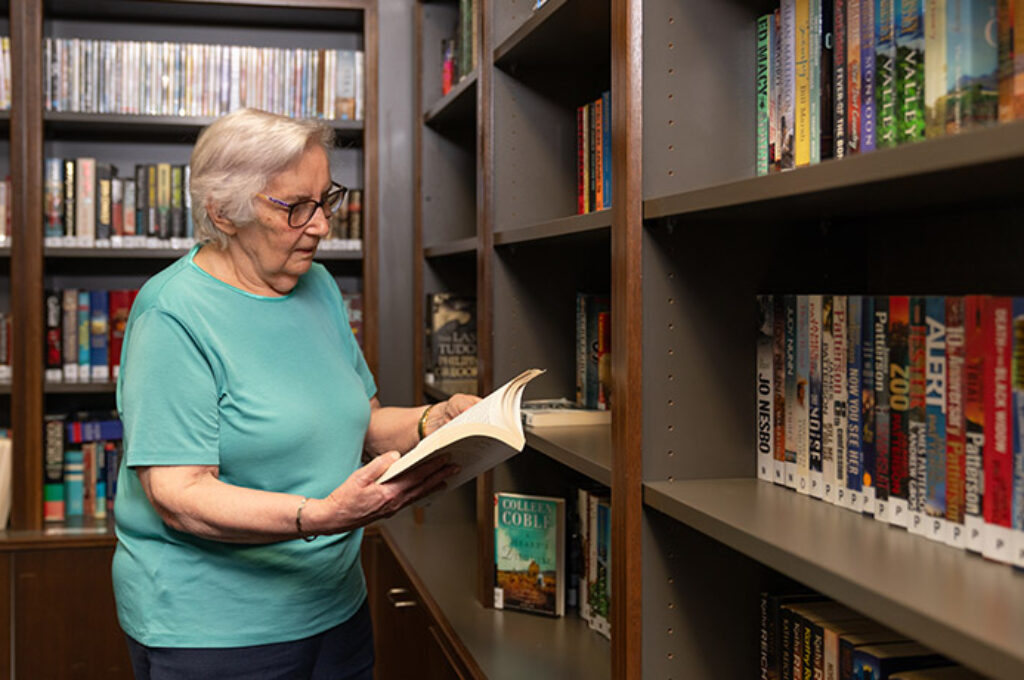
column 301, row 212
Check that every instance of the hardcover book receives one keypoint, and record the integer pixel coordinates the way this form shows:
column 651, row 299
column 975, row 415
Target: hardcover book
column 917, row 427
column 854, row 359
column 882, row 433
column 529, row 553
column 763, row 393
column 488, row 433
column 69, row 334
column 935, row 68
column 886, row 133
column 54, row 350
column 956, row 423
column 935, row 413
column 975, row 446
column 99, row 329
column 899, row 410
column 998, row 438
column 452, row 332
column 910, row 70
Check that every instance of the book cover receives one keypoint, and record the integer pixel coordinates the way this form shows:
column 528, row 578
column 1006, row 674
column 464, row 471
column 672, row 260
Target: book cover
column 104, row 210
column 120, row 306
column 763, row 394
column 779, row 389
column 935, row 68
column 998, row 465
column 886, row 133
column 872, row 662
column 917, row 424
column 53, row 193
column 763, row 77
column 935, row 414
column 606, row 146
column 854, row 412
column 84, row 337
column 601, row 601
column 867, row 406
column 453, row 342
column 839, row 395
column 972, row 72
column 814, row 406
column 839, row 79
column 589, row 308
column 881, row 481
column 803, row 389
column 867, row 76
column 562, row 413
column 910, row 71
column 529, row 553
column 899, row 410
column 85, row 198
column 802, row 82
column 54, row 350
column 853, row 74
column 69, row 333
column 787, row 115
column 70, row 205
column 828, row 404
column 1017, row 387
column 99, row 329
column 956, row 394
column 53, row 468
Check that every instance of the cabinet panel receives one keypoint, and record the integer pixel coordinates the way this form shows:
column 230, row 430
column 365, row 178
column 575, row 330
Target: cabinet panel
column 65, row 625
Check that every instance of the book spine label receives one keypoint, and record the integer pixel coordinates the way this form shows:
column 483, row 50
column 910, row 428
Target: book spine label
column 867, row 406
column 935, row 411
column 867, row 75
column 853, row 406
column 828, row 404
column 779, row 389
column 955, row 420
column 974, row 415
column 803, row 377
column 814, row 406
column 763, row 389
column 910, row 70
column 935, row 66
column 853, row 74
column 998, row 431
column 885, row 74
column 791, row 391
column 881, row 401
column 839, row 79
column 917, row 450
column 839, row 395
column 803, row 83
column 763, row 78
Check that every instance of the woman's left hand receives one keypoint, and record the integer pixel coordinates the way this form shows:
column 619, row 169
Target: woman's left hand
column 444, row 411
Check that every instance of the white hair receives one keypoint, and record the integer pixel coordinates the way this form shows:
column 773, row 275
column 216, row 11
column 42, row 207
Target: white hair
column 237, row 156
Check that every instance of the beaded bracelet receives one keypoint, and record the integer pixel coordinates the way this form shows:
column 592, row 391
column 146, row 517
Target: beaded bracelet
column 298, row 522
column 422, row 426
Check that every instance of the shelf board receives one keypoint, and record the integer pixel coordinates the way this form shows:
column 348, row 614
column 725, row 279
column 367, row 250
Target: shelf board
column 183, row 129
column 79, row 533
column 314, row 14
column 505, row 644
column 599, row 222
column 463, row 246
column 80, row 388
column 951, row 601
column 586, row 449
column 562, row 32
column 956, row 169
column 457, row 108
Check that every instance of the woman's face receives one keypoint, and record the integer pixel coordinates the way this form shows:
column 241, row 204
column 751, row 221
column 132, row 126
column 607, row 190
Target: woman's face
column 278, row 253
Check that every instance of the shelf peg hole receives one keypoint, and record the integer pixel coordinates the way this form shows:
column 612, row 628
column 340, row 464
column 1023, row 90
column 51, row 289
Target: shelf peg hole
column 671, row 605
column 671, row 71
column 671, row 402
column 671, row 147
column 671, row 45
column 671, row 631
column 671, row 20
column 671, row 351
column 671, row 479
column 671, row 453
column 671, row 326
column 671, row 96
column 671, row 428
column 671, row 655
column 671, row 173
column 671, row 301
column 671, row 580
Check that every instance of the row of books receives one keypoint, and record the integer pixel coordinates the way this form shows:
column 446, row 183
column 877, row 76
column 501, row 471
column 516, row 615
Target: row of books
column 87, row 203
column 450, row 359
column 839, row 77
column 907, row 408
column 804, row 635
column 5, row 212
column 81, row 458
column 458, row 53
column 594, row 155
column 593, row 351
column 5, row 73
column 544, row 565
column 6, row 477
column 354, row 309
column 85, row 333
column 200, row 80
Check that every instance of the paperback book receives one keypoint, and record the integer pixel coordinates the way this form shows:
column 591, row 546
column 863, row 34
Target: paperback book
column 529, row 553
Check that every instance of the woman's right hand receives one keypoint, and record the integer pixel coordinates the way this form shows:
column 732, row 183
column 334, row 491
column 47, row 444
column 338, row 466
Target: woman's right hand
column 360, row 500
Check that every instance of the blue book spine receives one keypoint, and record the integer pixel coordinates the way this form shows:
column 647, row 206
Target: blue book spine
column 854, row 315
column 84, row 336
column 606, row 143
column 867, row 405
column 935, row 416
column 74, row 478
column 867, row 75
column 99, row 329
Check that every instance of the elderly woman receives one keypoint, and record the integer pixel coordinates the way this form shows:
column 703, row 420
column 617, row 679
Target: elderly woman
column 247, row 406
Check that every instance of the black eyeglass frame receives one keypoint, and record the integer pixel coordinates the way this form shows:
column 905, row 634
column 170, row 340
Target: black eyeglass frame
column 335, row 195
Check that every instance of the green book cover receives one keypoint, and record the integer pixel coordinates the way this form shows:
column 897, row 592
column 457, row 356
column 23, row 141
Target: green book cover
column 765, row 25
column 529, row 553
column 885, row 74
column 910, row 70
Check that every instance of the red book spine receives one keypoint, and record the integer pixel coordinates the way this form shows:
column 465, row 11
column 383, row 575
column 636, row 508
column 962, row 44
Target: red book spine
column 581, row 189
column 120, row 301
column 998, row 430
column 956, row 393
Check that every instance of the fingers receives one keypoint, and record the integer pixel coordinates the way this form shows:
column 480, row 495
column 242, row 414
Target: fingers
column 371, row 472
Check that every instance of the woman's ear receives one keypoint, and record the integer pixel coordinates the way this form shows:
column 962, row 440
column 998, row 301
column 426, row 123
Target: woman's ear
column 220, row 221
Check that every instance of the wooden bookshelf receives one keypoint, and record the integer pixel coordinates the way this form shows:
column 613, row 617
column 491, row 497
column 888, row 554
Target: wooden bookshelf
column 585, row 449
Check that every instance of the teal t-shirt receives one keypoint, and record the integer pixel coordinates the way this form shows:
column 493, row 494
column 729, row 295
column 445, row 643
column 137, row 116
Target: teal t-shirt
column 275, row 392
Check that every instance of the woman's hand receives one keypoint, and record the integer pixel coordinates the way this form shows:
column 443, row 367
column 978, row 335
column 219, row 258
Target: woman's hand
column 360, row 500
column 444, row 411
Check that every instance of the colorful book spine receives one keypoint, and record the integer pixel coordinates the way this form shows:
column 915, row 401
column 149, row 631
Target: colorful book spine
column 53, row 191
column 791, row 392
column 854, row 359
column 54, row 350
column 99, row 329
column 606, row 146
column 1017, row 386
column 839, row 396
column 775, row 103
column 84, row 337
column 779, row 389
column 763, row 71
column 1018, row 60
column 881, row 402
column 999, row 429
column 839, row 76
column 53, row 469
column 803, row 378
column 828, row 404
column 582, row 172
column 69, row 334
column 973, row 53
column 814, row 405
column 814, row 39
column 886, row 130
column 867, row 76
column 867, row 406
column 826, row 80
column 917, row 450
column 974, row 415
column 1005, row 73
column 899, row 409
column 935, row 68
column 853, row 74
column 803, row 83
column 935, row 413
column 74, row 478
column 910, row 71
column 956, row 394
column 597, row 107
column 763, row 389
column 787, row 117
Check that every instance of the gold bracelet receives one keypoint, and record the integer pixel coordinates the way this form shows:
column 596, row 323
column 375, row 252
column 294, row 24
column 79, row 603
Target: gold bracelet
column 422, row 426
column 298, row 522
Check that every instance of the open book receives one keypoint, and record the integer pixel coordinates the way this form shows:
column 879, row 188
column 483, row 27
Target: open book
column 477, row 439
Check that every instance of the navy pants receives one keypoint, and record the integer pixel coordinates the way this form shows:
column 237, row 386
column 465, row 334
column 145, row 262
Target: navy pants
column 344, row 652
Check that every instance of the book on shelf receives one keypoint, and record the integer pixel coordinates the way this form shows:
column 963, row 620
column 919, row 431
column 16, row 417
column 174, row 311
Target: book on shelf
column 482, row 436
column 82, row 454
column 882, row 660
column 529, row 553
column 593, row 155
column 451, row 363
column 589, row 344
column 600, row 564
column 6, row 478
column 561, row 412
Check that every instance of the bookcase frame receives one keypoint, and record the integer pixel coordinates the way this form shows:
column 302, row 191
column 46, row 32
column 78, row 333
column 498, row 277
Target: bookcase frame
column 692, row 237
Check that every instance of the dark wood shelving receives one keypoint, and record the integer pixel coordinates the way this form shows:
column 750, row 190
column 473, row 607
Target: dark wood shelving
column 594, row 223
column 457, row 108
column 344, row 14
column 963, row 168
column 80, row 388
column 79, row 533
column 462, row 246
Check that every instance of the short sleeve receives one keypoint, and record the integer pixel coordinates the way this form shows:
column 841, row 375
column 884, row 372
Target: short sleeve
column 168, row 396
